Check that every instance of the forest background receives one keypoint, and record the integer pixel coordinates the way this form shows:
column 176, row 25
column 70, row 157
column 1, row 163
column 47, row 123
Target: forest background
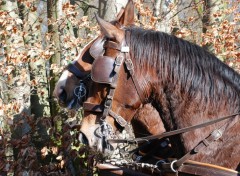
column 40, row 37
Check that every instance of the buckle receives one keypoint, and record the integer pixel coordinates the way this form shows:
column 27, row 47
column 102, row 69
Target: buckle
column 129, row 64
column 108, row 101
column 118, row 60
column 118, row 63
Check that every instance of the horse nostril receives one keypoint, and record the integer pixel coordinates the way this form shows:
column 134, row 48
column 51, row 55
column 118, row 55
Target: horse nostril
column 63, row 95
column 83, row 139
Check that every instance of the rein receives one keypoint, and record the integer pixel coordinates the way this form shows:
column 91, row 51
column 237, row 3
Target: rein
column 171, row 133
column 175, row 165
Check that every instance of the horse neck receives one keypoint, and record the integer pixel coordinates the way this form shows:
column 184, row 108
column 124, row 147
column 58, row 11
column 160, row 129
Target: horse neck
column 181, row 107
column 187, row 84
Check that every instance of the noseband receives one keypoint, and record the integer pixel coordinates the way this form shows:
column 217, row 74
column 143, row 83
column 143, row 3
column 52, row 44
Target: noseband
column 80, row 91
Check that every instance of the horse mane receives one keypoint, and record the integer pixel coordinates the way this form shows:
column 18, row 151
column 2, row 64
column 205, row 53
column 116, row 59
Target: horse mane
column 181, row 63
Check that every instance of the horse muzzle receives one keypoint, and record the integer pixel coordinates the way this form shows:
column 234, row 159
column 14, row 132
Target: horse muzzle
column 96, row 140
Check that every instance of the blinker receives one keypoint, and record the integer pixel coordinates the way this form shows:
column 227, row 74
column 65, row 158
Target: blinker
column 103, row 70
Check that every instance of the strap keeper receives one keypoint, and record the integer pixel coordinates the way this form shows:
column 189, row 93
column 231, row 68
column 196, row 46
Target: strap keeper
column 205, row 142
column 125, row 49
column 216, row 134
column 121, row 121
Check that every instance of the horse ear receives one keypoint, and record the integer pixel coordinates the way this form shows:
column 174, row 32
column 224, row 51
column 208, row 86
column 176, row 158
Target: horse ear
column 109, row 30
column 126, row 16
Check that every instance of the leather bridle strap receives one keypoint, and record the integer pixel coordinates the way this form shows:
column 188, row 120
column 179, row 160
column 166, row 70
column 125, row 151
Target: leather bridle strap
column 142, row 95
column 73, row 68
column 130, row 67
column 171, row 133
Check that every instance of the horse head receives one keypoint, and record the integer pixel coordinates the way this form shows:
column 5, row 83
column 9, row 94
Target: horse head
column 114, row 94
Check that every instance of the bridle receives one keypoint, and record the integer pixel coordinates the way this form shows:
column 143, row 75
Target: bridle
column 110, row 76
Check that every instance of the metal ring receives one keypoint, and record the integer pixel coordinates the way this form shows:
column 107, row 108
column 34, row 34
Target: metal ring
column 80, row 91
column 171, row 166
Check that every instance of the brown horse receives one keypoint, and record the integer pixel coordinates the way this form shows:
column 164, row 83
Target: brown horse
column 185, row 83
column 76, row 77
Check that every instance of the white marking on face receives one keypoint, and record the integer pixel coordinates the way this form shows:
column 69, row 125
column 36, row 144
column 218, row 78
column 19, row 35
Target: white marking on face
column 62, row 82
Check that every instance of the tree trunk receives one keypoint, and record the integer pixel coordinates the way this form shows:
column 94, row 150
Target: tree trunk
column 165, row 11
column 109, row 9
column 210, row 7
column 37, row 64
column 17, row 73
column 56, row 57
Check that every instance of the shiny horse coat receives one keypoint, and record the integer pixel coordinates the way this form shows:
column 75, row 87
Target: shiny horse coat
column 186, row 84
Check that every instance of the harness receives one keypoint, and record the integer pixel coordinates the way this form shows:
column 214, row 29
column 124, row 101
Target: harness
column 105, row 70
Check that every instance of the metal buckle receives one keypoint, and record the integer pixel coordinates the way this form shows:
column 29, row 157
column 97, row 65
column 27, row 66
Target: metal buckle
column 118, row 60
column 129, row 64
column 118, row 63
column 108, row 101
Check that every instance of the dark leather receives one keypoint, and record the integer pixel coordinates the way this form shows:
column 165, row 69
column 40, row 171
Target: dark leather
column 103, row 70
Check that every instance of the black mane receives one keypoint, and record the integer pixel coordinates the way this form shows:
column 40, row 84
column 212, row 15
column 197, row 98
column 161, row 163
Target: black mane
column 182, row 63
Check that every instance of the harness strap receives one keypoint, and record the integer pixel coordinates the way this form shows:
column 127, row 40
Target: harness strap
column 198, row 168
column 108, row 102
column 171, row 133
column 130, row 67
column 175, row 164
column 214, row 136
column 120, row 120
column 73, row 68
column 112, row 45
